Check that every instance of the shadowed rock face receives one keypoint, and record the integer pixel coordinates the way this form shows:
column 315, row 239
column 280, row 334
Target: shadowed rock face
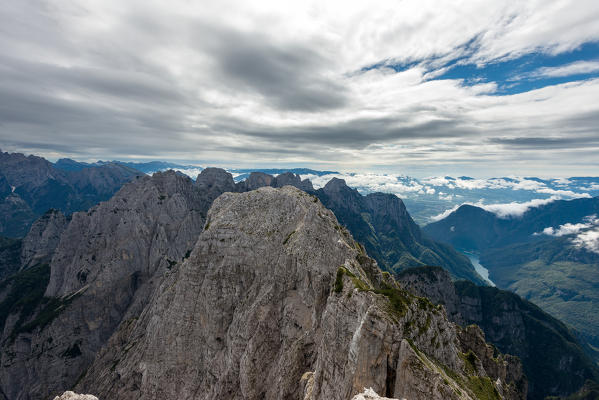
column 215, row 181
column 277, row 301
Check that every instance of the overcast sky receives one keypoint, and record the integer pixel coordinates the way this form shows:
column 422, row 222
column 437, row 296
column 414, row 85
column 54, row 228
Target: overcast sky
column 479, row 88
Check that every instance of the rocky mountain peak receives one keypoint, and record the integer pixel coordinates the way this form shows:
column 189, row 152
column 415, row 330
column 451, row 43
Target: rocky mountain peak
column 291, row 179
column 215, row 180
column 335, row 185
column 257, row 180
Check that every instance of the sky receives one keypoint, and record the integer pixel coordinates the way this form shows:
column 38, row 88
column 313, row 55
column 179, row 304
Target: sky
column 477, row 88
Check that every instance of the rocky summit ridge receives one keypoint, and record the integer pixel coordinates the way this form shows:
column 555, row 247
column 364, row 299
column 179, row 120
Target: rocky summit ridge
column 277, row 301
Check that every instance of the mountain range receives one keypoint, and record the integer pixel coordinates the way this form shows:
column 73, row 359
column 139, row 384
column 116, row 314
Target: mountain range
column 547, row 255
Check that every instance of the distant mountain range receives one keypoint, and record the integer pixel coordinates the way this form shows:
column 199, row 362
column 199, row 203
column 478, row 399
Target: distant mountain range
column 425, row 198
column 378, row 220
column 30, row 185
column 549, row 255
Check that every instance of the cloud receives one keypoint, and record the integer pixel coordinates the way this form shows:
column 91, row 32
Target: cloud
column 575, row 68
column 371, row 182
column 569, row 229
column 343, row 84
column 588, row 240
column 502, row 210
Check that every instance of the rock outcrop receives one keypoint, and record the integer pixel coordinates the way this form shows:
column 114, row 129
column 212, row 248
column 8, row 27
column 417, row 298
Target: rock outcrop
column 215, row 181
column 277, row 301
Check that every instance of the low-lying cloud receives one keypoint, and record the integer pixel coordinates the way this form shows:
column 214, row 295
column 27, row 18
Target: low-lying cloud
column 588, row 240
column 502, row 210
column 569, row 228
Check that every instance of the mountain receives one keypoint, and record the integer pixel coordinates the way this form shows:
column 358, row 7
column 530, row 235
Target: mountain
column 379, row 221
column 276, row 302
column 554, row 361
column 30, row 185
column 263, row 282
column 34, row 185
column 556, row 273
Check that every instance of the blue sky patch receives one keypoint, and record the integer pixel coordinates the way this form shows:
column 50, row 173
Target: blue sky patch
column 522, row 74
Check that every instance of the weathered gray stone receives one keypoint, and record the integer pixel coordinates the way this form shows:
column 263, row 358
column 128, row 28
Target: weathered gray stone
column 68, row 395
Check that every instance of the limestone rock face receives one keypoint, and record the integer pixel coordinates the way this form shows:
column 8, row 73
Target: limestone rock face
column 277, row 301
column 68, row 395
column 106, row 265
column 43, row 238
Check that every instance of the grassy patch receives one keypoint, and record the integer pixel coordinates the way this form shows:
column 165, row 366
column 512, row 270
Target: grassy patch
column 483, row 388
column 339, row 280
column 398, row 300
column 469, row 362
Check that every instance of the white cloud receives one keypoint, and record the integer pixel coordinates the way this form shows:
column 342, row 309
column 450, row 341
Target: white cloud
column 492, row 183
column 593, row 186
column 445, row 213
column 502, row 210
column 515, row 209
column 371, row 182
column 564, row 193
column 588, row 240
column 570, row 229
column 578, row 67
